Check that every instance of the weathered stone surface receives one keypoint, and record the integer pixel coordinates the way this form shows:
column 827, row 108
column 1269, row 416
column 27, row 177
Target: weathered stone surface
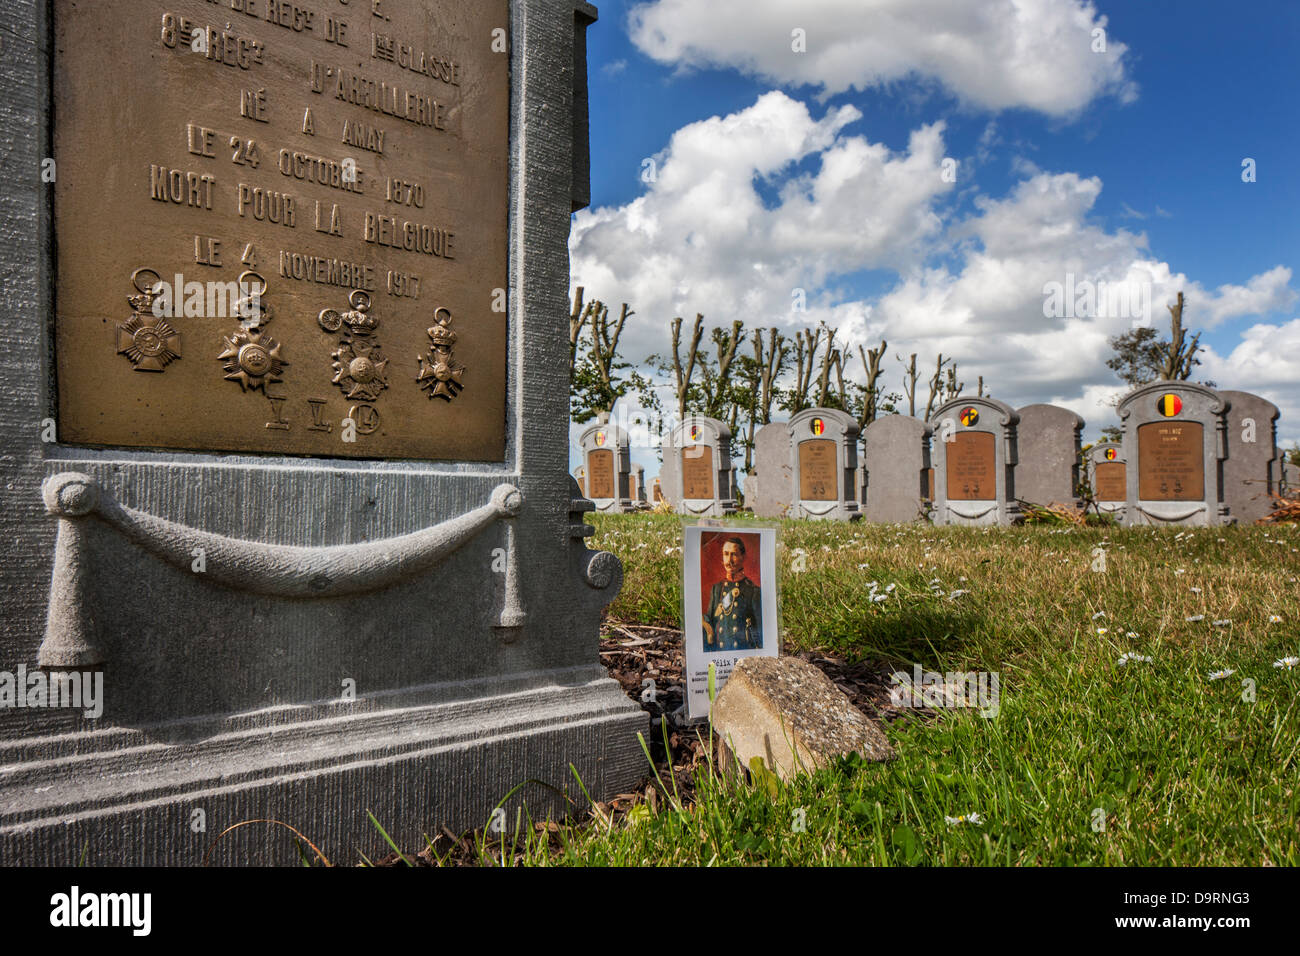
column 1250, row 472
column 1048, row 441
column 425, row 693
column 896, row 454
column 789, row 713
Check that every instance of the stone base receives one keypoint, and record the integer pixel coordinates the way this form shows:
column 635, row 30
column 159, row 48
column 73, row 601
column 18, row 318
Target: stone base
column 65, row 800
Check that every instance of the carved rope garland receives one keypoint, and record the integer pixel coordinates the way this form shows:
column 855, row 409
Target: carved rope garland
column 274, row 570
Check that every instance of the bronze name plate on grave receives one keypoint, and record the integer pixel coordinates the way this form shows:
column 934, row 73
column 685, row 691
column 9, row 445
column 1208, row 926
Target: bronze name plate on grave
column 817, row 470
column 697, row 472
column 972, row 460
column 600, row 474
column 282, row 226
column 1171, row 462
column 1111, row 478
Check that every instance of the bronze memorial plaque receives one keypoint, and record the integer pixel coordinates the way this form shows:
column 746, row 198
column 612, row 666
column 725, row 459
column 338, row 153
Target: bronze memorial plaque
column 817, row 470
column 600, row 474
column 282, row 226
column 1111, row 478
column 697, row 472
column 972, row 459
column 1171, row 464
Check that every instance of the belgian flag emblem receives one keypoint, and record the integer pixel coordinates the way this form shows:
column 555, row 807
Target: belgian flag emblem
column 969, row 416
column 600, row 439
column 1112, row 454
column 818, row 426
column 695, row 433
column 1169, row 404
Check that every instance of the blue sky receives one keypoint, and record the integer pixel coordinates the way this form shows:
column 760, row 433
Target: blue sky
column 1120, row 165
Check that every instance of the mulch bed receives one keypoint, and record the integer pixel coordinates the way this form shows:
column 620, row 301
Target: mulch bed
column 635, row 656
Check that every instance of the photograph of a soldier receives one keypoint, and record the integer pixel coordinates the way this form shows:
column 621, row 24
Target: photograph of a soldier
column 731, row 586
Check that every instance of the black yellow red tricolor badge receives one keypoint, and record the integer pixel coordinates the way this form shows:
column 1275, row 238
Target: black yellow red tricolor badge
column 1112, row 454
column 600, row 438
column 818, row 426
column 969, row 416
column 1169, row 404
column 695, row 433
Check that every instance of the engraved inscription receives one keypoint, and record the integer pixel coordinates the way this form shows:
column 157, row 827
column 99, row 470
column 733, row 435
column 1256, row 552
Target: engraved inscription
column 1171, row 466
column 333, row 147
column 600, row 473
column 697, row 472
column 972, row 459
column 1111, row 479
column 817, row 463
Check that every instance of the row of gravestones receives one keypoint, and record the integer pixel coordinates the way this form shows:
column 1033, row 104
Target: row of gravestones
column 1201, row 457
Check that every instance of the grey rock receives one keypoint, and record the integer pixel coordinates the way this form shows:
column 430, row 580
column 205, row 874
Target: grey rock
column 787, row 712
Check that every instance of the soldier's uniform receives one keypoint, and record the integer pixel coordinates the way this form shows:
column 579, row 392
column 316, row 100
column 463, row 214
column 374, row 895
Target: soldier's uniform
column 735, row 618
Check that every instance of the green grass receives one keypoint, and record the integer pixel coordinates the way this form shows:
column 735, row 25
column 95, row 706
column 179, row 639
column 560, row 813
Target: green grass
column 1183, row 769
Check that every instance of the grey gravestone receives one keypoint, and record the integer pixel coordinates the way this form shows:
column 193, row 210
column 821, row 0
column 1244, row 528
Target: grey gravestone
column 1048, row 440
column 1250, row 472
column 1108, row 477
column 895, row 459
column 974, row 452
column 769, row 490
column 301, row 639
column 703, row 469
column 607, row 456
column 1175, row 440
column 823, row 461
column 580, row 476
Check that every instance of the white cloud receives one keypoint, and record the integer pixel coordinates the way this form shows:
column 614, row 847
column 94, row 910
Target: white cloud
column 1264, row 362
column 994, row 54
column 748, row 207
column 702, row 239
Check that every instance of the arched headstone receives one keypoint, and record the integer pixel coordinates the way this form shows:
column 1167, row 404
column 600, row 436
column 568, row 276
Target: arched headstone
column 895, row 463
column 769, row 491
column 1108, row 477
column 1175, row 441
column 1250, row 472
column 974, row 452
column 608, row 461
column 702, row 454
column 1048, row 440
column 823, row 460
